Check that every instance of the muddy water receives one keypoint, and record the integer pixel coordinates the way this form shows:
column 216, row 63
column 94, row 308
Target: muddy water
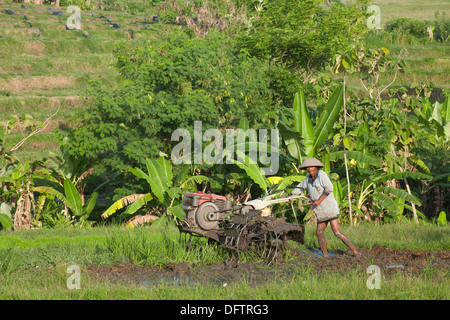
column 319, row 253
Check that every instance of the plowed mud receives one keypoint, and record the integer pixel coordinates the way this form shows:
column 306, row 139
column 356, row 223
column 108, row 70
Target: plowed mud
column 390, row 261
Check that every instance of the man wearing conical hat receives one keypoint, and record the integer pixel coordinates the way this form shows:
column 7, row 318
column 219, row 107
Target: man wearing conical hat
column 324, row 205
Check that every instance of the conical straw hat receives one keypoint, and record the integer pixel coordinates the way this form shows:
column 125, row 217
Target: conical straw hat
column 311, row 162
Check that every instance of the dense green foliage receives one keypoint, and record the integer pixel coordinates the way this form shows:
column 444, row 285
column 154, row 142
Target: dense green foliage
column 300, row 38
column 440, row 28
column 170, row 83
column 251, row 64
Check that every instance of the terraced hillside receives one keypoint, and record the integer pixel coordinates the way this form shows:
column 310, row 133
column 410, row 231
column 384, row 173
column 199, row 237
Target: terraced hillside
column 45, row 67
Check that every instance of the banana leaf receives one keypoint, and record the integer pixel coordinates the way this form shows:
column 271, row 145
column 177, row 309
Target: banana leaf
column 177, row 211
column 180, row 174
column 401, row 175
column 420, row 214
column 337, row 192
column 5, row 221
column 191, row 181
column 140, row 174
column 398, row 193
column 139, row 203
column 327, row 119
column 253, row 171
column 419, row 163
column 73, row 198
column 49, row 190
column 90, row 204
column 167, row 169
column 125, row 201
column 5, row 215
column 387, row 203
column 358, row 156
column 294, row 141
column 302, row 121
column 158, row 178
column 290, row 180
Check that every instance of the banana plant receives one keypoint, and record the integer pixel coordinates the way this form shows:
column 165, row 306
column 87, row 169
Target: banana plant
column 439, row 121
column 392, row 200
column 65, row 166
column 370, row 186
column 165, row 187
column 304, row 139
column 253, row 171
column 71, row 199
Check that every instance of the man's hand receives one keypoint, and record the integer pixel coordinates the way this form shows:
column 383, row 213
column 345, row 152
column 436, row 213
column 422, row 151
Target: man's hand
column 319, row 201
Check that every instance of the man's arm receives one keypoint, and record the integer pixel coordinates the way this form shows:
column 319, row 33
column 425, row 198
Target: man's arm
column 327, row 188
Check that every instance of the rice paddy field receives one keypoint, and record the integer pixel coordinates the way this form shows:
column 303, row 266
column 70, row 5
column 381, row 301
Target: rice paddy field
column 149, row 263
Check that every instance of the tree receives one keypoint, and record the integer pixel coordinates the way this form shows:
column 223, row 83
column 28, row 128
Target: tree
column 299, row 38
column 170, row 83
column 385, row 131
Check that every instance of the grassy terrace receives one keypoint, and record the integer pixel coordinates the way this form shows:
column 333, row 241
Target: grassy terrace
column 40, row 74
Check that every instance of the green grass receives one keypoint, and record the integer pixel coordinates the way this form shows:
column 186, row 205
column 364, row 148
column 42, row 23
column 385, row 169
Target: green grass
column 404, row 235
column 33, row 265
column 142, row 246
column 416, row 9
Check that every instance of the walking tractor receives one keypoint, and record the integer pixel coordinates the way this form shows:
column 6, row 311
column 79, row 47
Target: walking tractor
column 250, row 229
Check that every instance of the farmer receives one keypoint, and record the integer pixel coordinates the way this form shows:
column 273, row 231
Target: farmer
column 324, row 205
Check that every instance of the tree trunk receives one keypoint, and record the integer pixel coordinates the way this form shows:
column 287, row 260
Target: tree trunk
column 22, row 217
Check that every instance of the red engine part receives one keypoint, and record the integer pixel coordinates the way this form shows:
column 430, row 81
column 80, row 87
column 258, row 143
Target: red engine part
column 205, row 210
column 198, row 198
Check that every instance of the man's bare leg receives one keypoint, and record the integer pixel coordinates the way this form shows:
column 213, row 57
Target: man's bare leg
column 337, row 232
column 320, row 235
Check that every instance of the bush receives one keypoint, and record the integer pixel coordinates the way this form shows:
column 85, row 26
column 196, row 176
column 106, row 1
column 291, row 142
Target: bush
column 441, row 28
column 416, row 28
column 419, row 28
column 80, row 3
